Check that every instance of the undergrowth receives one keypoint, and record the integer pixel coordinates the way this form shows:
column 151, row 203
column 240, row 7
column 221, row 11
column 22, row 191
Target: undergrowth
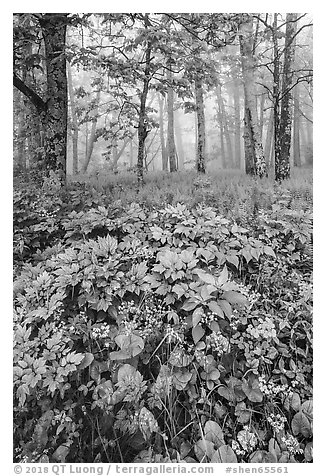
column 173, row 324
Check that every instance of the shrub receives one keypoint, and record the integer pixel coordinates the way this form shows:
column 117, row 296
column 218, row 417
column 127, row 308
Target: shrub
column 165, row 335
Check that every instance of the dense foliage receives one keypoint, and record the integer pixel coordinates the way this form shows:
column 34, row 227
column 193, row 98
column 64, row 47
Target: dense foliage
column 147, row 332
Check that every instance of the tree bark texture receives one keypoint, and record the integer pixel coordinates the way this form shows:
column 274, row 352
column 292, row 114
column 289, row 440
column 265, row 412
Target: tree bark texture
column 254, row 152
column 282, row 152
column 54, row 26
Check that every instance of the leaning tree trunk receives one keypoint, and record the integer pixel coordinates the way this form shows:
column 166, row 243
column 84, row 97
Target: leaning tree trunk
column 54, row 26
column 282, row 157
column 201, row 144
column 253, row 146
column 170, row 139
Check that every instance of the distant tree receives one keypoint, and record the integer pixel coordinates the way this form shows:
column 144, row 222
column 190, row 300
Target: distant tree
column 162, row 139
column 225, row 129
column 296, row 128
column 237, row 123
column 74, row 121
column 269, row 139
column 93, row 136
column 171, row 150
column 178, row 139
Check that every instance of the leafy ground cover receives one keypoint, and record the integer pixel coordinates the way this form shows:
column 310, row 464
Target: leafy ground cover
column 173, row 324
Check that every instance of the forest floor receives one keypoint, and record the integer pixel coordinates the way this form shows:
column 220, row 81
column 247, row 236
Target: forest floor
column 227, row 191
column 169, row 324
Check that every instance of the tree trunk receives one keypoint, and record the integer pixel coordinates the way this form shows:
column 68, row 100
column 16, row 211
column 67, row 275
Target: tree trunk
column 269, row 140
column 114, row 165
column 225, row 130
column 296, row 129
column 131, row 155
column 92, row 137
column 170, row 138
column 221, row 128
column 282, row 153
column 74, row 122
column 54, row 26
column 179, row 144
column 142, row 125
column 201, row 146
column 255, row 155
column 276, row 89
column 237, row 124
column 261, row 113
column 248, row 142
column 161, row 122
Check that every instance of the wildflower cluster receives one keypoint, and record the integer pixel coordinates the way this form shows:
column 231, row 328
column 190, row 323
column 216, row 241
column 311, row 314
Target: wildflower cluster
column 276, row 421
column 60, row 418
column 209, row 317
column 237, row 448
column 248, row 441
column 146, row 319
column 218, row 343
column 101, row 332
column 235, row 320
column 265, row 329
column 292, row 444
column 271, row 389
